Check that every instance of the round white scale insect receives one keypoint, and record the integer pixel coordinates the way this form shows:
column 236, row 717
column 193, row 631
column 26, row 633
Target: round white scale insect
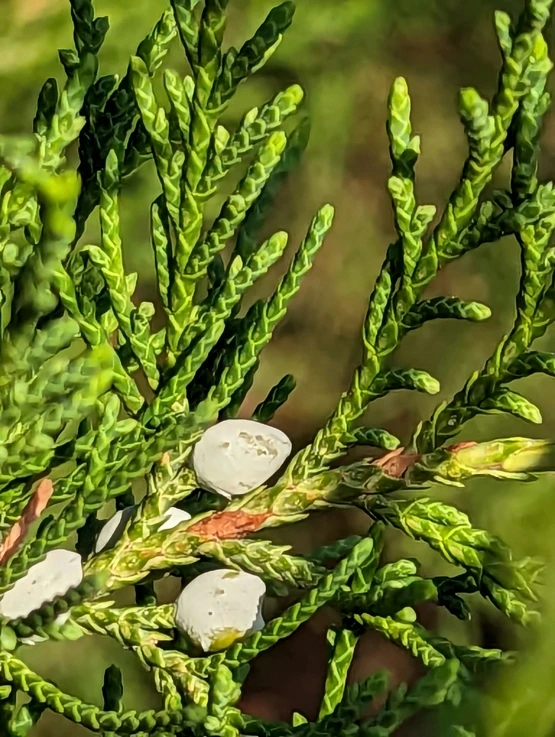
column 237, row 456
column 60, row 571
column 220, row 607
column 114, row 527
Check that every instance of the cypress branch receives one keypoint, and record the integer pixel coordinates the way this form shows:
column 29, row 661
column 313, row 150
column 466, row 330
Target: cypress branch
column 74, row 415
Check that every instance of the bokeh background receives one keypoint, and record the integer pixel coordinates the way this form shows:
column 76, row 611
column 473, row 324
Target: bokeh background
column 345, row 55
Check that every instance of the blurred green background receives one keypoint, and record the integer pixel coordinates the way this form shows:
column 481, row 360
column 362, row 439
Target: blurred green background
column 345, row 55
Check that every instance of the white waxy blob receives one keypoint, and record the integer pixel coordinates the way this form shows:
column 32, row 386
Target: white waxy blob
column 60, row 571
column 220, row 607
column 113, row 529
column 237, row 456
column 174, row 516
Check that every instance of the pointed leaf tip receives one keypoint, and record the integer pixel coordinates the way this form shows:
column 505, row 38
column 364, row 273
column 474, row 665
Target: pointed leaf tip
column 478, row 311
column 327, row 213
column 432, row 385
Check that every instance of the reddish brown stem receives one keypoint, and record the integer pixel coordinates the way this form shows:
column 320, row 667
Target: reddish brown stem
column 33, row 510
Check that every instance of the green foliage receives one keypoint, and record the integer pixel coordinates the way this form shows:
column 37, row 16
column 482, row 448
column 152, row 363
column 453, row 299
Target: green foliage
column 97, row 393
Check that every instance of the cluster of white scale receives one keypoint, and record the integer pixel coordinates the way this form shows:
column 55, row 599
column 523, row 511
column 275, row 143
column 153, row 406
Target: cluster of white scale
column 216, row 608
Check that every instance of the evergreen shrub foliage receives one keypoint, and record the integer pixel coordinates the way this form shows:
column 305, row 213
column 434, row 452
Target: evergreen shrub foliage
column 101, row 402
